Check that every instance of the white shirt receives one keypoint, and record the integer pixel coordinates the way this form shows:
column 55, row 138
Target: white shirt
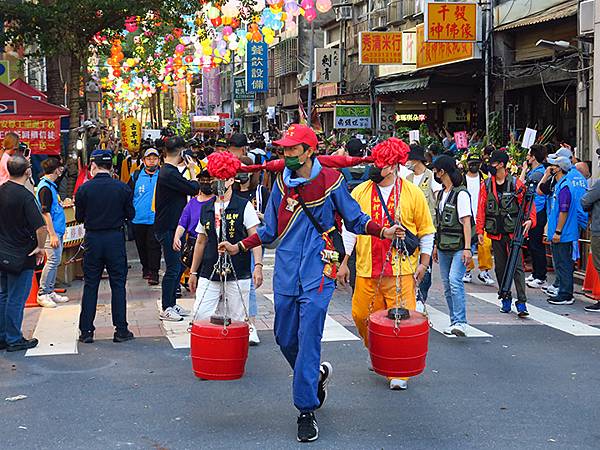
column 250, row 217
column 473, row 186
column 463, row 204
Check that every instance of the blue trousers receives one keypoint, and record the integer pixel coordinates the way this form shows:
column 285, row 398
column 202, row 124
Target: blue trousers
column 452, row 271
column 14, row 290
column 173, row 271
column 104, row 249
column 562, row 255
column 299, row 322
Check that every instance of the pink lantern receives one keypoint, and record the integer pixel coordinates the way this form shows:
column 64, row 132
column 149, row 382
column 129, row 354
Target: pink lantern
column 180, row 48
column 310, row 14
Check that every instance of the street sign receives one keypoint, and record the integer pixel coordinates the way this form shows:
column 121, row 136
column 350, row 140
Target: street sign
column 239, row 90
column 257, row 73
column 452, row 21
column 430, row 54
column 352, row 116
column 380, row 47
column 327, row 64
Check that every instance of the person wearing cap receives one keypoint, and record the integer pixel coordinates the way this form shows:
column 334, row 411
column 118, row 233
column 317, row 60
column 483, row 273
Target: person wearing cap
column 304, row 274
column 500, row 199
column 357, row 174
column 143, row 184
column 590, row 203
column 221, row 145
column 564, row 215
column 385, row 197
column 103, row 204
column 238, row 143
column 472, row 181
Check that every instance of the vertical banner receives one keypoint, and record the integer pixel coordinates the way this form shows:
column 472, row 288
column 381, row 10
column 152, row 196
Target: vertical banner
column 211, row 87
column 131, row 134
column 461, row 140
column 409, row 47
column 327, row 65
column 257, row 72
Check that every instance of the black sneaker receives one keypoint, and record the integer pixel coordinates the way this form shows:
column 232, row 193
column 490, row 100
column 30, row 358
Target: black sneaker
column 178, row 293
column 560, row 301
column 153, row 279
column 3, row 345
column 123, row 336
column 23, row 344
column 308, row 431
column 591, row 308
column 86, row 337
column 326, row 371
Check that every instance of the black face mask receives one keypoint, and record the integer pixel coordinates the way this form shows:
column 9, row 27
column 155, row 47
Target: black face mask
column 474, row 168
column 375, row 175
column 242, row 178
column 493, row 170
column 206, row 188
column 437, row 179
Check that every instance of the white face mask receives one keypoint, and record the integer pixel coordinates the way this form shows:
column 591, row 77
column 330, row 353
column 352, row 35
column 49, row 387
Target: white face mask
column 410, row 166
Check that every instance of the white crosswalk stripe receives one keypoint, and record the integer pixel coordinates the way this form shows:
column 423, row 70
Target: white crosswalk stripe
column 439, row 321
column 56, row 331
column 177, row 332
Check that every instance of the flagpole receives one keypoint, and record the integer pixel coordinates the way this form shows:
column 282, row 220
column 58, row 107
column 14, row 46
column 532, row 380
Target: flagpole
column 311, row 68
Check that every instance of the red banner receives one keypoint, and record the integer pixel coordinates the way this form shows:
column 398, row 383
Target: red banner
column 42, row 136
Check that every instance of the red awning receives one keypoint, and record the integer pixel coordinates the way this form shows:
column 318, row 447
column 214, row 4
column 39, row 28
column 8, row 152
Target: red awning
column 28, row 89
column 16, row 103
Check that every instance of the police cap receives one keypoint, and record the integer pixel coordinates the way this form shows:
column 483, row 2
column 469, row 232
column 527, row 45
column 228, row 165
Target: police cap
column 101, row 156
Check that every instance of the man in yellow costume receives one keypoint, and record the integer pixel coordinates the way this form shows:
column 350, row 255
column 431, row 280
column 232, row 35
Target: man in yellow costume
column 377, row 268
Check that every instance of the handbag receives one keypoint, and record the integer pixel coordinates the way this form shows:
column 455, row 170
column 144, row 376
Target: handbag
column 410, row 242
column 187, row 253
column 12, row 260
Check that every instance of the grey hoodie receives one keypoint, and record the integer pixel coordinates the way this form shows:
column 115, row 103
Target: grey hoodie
column 591, row 202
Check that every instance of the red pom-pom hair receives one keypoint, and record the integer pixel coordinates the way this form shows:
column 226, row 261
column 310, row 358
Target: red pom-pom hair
column 223, row 165
column 390, row 152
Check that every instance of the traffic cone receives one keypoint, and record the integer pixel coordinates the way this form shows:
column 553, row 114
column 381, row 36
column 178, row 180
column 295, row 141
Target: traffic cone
column 35, row 286
column 591, row 282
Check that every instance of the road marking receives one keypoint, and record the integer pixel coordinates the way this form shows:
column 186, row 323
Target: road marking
column 333, row 330
column 439, row 321
column 177, row 332
column 57, row 331
column 548, row 318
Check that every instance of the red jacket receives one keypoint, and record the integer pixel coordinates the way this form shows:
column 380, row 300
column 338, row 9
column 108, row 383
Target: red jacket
column 481, row 206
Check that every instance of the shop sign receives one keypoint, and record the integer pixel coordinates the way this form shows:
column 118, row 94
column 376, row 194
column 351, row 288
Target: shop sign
column 430, row 54
column 380, row 47
column 131, row 134
column 352, row 116
column 409, row 47
column 42, row 136
column 4, row 71
column 451, row 21
column 239, row 90
column 327, row 90
column 411, row 117
column 206, row 122
column 257, row 74
column 327, row 65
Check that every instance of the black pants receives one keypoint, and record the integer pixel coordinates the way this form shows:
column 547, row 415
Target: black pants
column 148, row 248
column 500, row 250
column 104, row 249
column 537, row 250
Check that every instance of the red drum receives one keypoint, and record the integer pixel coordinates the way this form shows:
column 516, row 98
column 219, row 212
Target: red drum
column 398, row 351
column 219, row 353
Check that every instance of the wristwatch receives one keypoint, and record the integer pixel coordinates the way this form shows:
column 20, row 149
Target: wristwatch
column 558, row 232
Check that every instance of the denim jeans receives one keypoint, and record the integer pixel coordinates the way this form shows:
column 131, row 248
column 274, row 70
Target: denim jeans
column 452, row 271
column 173, row 270
column 425, row 285
column 252, row 303
column 14, row 290
column 562, row 257
column 53, row 257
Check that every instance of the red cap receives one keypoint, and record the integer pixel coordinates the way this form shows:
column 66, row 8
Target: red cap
column 298, row 134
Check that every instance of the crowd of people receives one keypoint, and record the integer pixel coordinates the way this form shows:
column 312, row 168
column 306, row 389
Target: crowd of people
column 333, row 219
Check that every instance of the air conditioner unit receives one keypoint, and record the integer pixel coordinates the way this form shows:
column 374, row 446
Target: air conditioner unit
column 586, row 17
column 343, row 13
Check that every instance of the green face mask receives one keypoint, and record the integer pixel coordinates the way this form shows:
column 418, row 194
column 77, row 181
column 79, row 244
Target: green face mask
column 293, row 162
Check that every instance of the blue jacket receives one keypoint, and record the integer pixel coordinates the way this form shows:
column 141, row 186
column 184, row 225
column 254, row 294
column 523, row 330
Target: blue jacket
column 577, row 186
column 56, row 211
column 143, row 195
column 298, row 264
column 540, row 200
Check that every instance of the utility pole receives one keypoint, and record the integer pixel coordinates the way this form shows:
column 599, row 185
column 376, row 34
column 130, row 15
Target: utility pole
column 488, row 25
column 595, row 91
column 232, row 88
column 371, row 73
column 311, row 68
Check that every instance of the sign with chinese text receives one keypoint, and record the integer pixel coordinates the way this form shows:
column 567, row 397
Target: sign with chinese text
column 42, row 136
column 461, row 140
column 257, row 72
column 451, row 22
column 211, row 87
column 352, row 116
column 206, row 122
column 327, row 65
column 430, row 54
column 409, row 47
column 239, row 89
column 131, row 134
column 327, row 90
column 380, row 47
column 404, row 117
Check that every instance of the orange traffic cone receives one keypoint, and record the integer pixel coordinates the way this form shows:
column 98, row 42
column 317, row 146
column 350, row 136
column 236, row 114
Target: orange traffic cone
column 591, row 282
column 35, row 286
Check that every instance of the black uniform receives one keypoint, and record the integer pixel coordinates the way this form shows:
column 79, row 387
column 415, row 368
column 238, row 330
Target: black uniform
column 102, row 205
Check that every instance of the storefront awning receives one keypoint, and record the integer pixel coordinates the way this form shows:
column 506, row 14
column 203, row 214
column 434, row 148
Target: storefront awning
column 566, row 9
column 399, row 86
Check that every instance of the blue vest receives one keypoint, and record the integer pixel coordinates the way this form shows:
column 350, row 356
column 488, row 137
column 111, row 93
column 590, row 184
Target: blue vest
column 540, row 200
column 143, row 194
column 577, row 186
column 56, row 211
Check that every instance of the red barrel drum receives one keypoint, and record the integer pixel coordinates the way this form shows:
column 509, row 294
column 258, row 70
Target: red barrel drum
column 398, row 352
column 219, row 353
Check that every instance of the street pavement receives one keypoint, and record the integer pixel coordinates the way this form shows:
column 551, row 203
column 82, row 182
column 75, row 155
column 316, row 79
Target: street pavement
column 514, row 383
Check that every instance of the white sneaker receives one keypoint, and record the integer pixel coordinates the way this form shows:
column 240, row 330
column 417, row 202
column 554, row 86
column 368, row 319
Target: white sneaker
column 397, row 384
column 253, row 337
column 530, row 278
column 181, row 311
column 45, row 301
column 535, row 283
column 448, row 331
column 59, row 298
column 459, row 329
column 170, row 315
column 467, row 278
column 551, row 291
column 486, row 278
column 420, row 307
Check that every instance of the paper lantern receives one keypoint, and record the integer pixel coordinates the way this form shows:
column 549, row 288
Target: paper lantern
column 323, row 6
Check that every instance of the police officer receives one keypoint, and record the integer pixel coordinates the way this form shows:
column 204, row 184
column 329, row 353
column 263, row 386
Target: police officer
column 102, row 205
